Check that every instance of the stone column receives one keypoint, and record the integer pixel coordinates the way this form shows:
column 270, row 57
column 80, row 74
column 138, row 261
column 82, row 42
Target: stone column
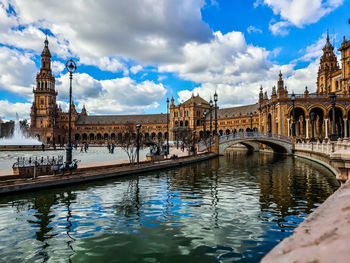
column 345, row 128
column 288, row 131
column 326, row 128
column 307, row 128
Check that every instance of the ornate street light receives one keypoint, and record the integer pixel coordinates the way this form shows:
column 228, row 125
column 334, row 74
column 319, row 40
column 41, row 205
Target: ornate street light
column 204, row 120
column 293, row 123
column 251, row 121
column 167, row 126
column 211, row 117
column 334, row 135
column 138, row 127
column 71, row 67
column 216, row 113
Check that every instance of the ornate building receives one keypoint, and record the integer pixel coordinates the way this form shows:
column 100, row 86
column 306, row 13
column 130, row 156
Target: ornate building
column 312, row 111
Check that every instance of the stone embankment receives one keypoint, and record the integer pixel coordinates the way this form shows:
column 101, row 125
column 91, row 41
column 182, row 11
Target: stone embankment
column 96, row 172
column 325, row 235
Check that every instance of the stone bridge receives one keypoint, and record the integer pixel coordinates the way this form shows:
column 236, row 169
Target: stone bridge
column 278, row 143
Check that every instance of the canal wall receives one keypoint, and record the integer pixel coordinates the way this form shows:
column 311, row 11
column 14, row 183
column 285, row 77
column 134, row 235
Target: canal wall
column 323, row 237
column 96, row 173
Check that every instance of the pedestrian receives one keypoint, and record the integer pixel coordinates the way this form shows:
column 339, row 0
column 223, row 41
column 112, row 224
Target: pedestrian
column 43, row 147
column 112, row 148
column 82, row 148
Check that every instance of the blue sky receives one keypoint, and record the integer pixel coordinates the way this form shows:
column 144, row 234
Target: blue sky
column 134, row 54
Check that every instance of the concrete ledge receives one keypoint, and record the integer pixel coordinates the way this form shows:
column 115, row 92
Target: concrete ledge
column 323, row 237
column 98, row 173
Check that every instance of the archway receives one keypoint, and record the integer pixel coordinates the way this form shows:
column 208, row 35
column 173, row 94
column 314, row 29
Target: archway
column 91, row 137
column 120, row 136
column 98, row 136
column 105, row 136
column 316, row 123
column 300, row 123
column 181, row 123
column 339, row 122
column 84, row 137
column 227, row 132
column 221, row 132
column 113, row 136
column 77, row 137
column 186, row 123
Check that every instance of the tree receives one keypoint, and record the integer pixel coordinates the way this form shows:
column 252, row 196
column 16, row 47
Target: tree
column 186, row 137
column 206, row 140
column 128, row 142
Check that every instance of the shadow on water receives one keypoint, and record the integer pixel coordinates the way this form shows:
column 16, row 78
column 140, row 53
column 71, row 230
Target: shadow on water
column 232, row 208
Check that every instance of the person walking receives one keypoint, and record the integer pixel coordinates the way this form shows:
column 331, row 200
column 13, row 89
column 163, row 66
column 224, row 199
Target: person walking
column 112, row 148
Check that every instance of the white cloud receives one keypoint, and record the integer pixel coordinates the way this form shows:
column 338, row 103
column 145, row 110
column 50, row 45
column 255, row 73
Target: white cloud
column 253, row 29
column 297, row 12
column 57, row 67
column 135, row 69
column 8, row 110
column 302, row 12
column 236, row 70
column 17, row 72
column 279, row 28
column 111, row 64
column 114, row 96
column 149, row 36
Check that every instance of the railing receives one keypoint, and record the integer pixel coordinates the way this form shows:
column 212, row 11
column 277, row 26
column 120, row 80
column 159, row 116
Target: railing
column 254, row 135
column 243, row 135
column 325, row 147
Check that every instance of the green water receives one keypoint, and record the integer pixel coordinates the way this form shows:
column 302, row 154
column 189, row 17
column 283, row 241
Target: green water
column 234, row 208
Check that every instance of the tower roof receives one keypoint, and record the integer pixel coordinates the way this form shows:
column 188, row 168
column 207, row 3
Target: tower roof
column 328, row 43
column 46, row 51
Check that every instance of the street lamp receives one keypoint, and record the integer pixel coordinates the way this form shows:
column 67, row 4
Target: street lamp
column 71, row 67
column 216, row 113
column 138, row 127
column 194, row 143
column 167, row 126
column 333, row 98
column 293, row 123
column 204, row 120
column 211, row 117
column 251, row 121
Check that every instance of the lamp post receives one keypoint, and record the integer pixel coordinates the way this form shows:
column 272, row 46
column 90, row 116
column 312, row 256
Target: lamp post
column 204, row 120
column 333, row 98
column 194, row 143
column 293, row 123
column 216, row 113
column 167, row 126
column 138, row 127
column 251, row 121
column 211, row 117
column 71, row 67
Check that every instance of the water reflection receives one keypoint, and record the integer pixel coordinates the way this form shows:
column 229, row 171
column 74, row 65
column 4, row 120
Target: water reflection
column 233, row 208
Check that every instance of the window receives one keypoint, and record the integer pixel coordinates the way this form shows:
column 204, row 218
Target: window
column 42, row 101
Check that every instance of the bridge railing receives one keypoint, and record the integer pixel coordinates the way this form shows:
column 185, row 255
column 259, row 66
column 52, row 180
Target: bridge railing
column 244, row 135
column 255, row 135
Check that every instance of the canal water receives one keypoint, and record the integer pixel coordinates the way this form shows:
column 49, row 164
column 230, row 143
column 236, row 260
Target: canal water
column 234, row 208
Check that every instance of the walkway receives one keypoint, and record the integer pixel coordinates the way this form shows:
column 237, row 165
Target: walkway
column 95, row 172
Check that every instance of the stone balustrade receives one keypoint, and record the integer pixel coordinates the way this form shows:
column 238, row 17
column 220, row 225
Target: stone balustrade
column 336, row 154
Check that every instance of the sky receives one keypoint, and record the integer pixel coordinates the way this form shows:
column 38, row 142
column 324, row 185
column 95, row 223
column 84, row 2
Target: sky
column 133, row 55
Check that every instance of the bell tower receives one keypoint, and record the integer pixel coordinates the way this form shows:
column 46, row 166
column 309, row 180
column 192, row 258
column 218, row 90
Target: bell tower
column 44, row 109
column 328, row 65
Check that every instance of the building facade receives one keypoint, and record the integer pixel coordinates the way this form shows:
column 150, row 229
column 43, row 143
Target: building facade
column 312, row 111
